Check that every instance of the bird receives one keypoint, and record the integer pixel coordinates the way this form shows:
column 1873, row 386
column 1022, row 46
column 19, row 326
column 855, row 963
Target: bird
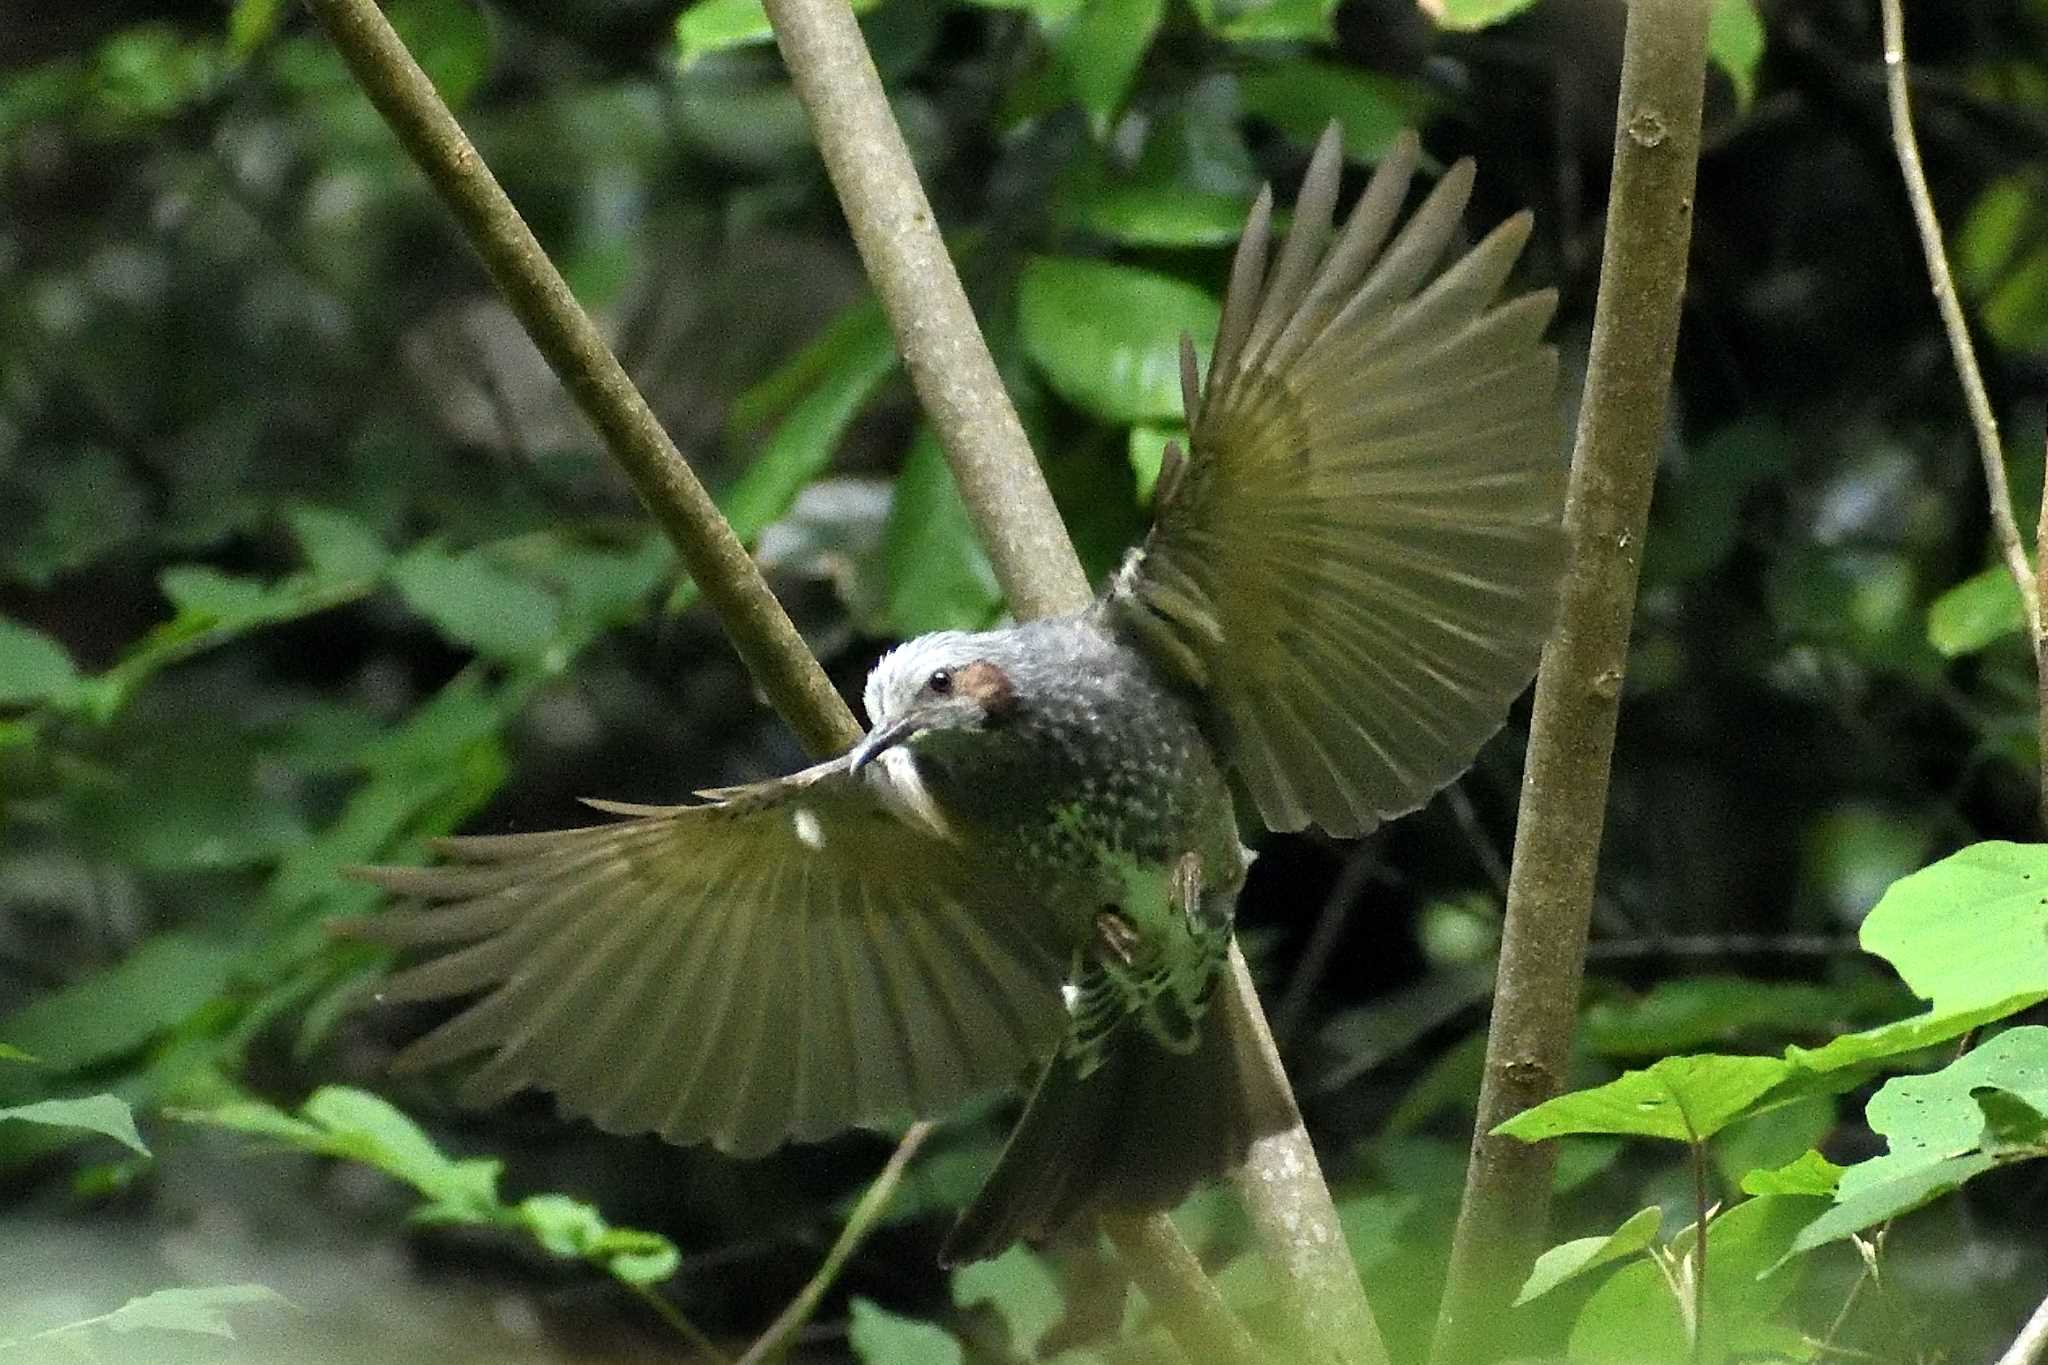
column 1027, row 870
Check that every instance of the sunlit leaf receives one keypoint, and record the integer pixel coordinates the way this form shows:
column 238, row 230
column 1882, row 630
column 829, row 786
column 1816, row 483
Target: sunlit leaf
column 1981, row 609
column 1570, row 1259
column 1927, row 1119
column 1683, row 1099
column 90, row 1113
column 1158, row 215
column 1735, row 43
column 1891, row 1199
column 1811, row 1174
column 1107, row 336
column 1969, row 934
column 1466, row 15
column 720, row 25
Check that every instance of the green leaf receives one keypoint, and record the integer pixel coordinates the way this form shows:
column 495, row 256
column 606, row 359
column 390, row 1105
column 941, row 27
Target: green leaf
column 198, row 1311
column 1929, row 1118
column 880, row 1337
column 1100, row 51
column 1570, row 1259
column 476, row 604
column 574, row 1230
column 861, row 354
column 1301, row 21
column 934, row 573
column 721, row 25
column 1301, row 97
column 1702, row 1011
column 1463, row 16
column 9, row 1053
column 1023, row 1291
column 33, row 667
column 1969, row 934
column 338, row 547
column 1684, row 1099
column 1811, row 1174
column 1891, row 1199
column 116, row 1010
column 1108, row 336
column 92, row 1113
column 1158, row 215
column 450, row 41
column 1735, row 43
column 251, row 23
column 1982, row 609
column 1634, row 1317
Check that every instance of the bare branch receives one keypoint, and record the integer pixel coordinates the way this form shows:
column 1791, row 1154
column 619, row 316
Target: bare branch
column 1989, row 450
column 2030, row 1347
column 753, row 620
column 1502, row 1220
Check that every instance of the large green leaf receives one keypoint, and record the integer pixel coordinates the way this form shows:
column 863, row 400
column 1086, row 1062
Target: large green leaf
column 1685, row 1099
column 1100, row 51
column 477, row 604
column 117, row 1010
column 1107, row 336
column 1969, row 934
column 1927, row 1119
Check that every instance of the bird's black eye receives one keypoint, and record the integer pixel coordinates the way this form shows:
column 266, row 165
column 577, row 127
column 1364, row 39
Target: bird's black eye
column 940, row 682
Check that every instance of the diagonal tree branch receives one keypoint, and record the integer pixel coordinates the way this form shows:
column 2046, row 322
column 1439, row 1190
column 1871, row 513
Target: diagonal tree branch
column 754, row 621
column 1502, row 1219
column 1282, row 1185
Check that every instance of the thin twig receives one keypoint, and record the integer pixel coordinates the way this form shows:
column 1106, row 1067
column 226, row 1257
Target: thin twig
column 1187, row 1302
column 781, row 1333
column 2030, row 1347
column 1989, row 449
column 683, row 1327
column 1293, row 1218
column 752, row 619
column 1502, row 1220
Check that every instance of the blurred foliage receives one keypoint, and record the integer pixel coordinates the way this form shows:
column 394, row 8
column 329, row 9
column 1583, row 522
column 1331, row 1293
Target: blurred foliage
column 305, row 560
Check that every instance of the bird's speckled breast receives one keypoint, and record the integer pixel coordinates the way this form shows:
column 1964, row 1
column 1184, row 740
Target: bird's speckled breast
column 1101, row 768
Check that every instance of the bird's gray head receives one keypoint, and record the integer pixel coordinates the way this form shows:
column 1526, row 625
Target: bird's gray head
column 950, row 680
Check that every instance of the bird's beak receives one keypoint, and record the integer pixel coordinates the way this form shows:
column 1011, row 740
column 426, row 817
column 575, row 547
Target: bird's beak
column 883, row 738
column 950, row 713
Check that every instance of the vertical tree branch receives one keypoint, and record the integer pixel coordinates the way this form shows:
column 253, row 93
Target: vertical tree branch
column 1006, row 496
column 753, row 620
column 949, row 363
column 1989, row 450
column 1503, row 1218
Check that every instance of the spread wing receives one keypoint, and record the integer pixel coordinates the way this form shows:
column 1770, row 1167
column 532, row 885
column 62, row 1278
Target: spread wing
column 783, row 962
column 1359, row 560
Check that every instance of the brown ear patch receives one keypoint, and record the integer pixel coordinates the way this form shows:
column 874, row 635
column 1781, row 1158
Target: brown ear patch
column 988, row 684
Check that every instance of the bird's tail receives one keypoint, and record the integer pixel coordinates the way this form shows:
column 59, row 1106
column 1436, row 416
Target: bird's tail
column 1135, row 1134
